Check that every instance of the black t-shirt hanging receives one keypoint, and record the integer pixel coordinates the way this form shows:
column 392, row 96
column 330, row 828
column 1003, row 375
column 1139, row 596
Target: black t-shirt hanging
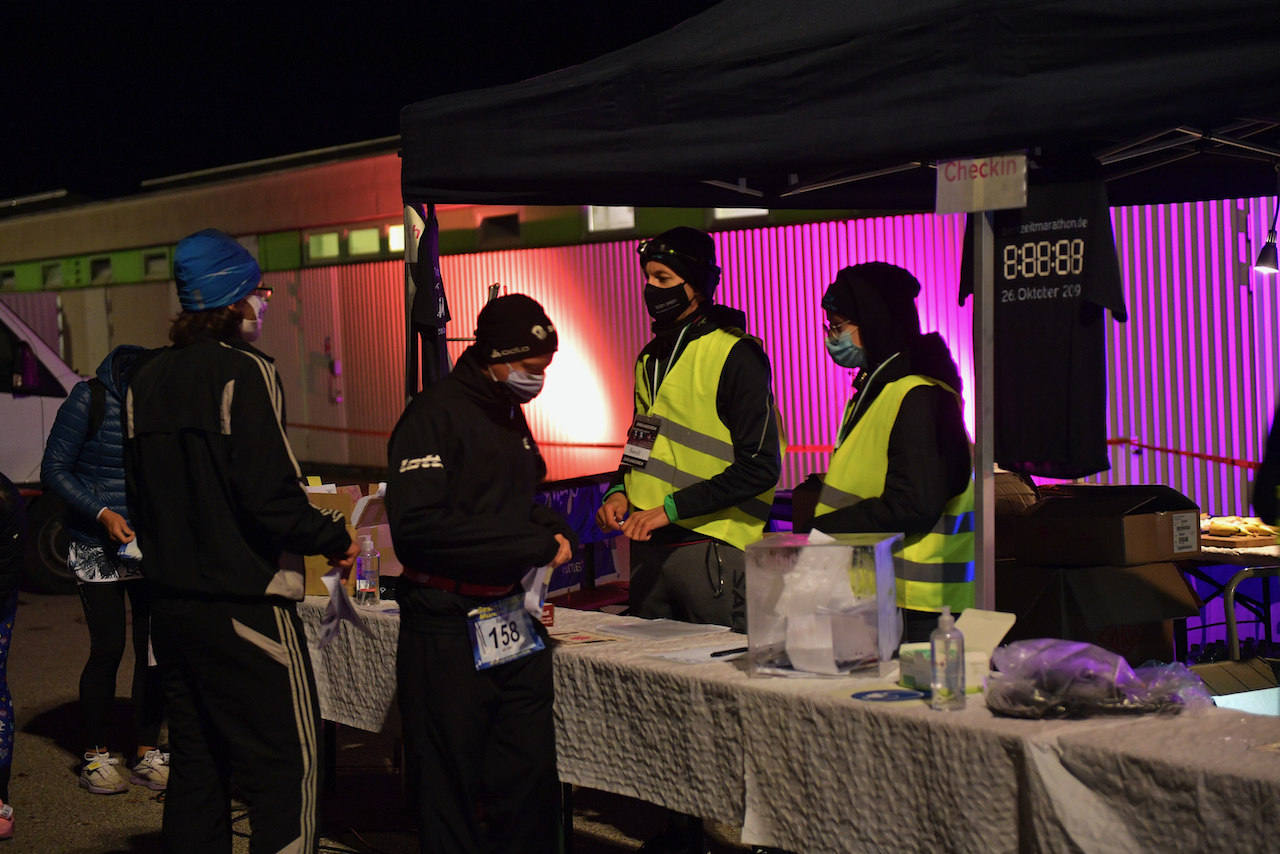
column 1055, row 272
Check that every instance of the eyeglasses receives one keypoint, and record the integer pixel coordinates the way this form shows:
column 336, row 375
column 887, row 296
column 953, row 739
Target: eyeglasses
column 834, row 329
column 262, row 292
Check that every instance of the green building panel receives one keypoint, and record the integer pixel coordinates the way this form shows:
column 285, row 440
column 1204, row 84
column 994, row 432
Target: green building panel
column 280, row 251
column 26, row 277
column 458, row 241
column 653, row 221
column 126, row 267
column 557, row 231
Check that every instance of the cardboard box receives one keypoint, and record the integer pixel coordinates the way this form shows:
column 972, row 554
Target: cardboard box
column 1126, row 609
column 1082, row 525
column 315, row 566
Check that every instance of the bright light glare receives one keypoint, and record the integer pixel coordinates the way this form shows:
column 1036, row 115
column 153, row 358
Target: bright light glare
column 395, row 238
column 571, row 400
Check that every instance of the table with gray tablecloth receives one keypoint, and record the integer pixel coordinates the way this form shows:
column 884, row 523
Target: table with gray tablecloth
column 800, row 764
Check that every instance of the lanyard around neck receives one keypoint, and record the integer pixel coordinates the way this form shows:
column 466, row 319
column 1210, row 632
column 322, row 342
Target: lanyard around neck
column 857, row 404
column 675, row 351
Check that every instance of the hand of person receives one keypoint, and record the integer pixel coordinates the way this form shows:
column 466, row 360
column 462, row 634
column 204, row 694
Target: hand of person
column 609, row 516
column 345, row 560
column 566, row 551
column 117, row 528
column 644, row 523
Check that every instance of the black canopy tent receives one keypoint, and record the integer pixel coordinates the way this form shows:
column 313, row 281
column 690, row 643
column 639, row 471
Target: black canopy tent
column 835, row 104
column 762, row 102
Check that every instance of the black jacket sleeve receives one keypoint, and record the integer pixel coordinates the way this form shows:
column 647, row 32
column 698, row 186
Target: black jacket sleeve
column 265, row 478
column 744, row 401
column 429, row 527
column 929, row 463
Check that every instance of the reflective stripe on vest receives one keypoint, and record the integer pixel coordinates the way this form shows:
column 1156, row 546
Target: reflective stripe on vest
column 693, row 444
column 935, row 568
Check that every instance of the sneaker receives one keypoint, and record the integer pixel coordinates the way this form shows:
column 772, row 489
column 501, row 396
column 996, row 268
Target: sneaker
column 6, row 821
column 100, row 776
column 151, row 771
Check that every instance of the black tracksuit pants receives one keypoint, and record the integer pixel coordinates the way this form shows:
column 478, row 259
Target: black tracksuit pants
column 474, row 737
column 242, row 703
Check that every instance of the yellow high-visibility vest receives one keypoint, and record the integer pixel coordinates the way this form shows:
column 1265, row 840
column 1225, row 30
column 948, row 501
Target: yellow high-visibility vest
column 936, row 568
column 693, row 444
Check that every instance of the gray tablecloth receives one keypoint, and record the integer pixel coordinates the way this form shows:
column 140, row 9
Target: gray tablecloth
column 800, row 764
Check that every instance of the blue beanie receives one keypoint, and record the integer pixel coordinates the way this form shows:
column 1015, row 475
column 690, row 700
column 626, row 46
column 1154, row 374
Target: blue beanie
column 213, row 270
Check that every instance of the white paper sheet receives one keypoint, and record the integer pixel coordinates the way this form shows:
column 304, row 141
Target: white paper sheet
column 340, row 608
column 703, row 654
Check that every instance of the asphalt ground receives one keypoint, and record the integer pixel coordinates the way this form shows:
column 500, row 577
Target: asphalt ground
column 55, row 816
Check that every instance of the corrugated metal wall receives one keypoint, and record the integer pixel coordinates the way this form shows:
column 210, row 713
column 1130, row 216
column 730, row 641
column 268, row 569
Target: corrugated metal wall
column 776, row 275
column 1195, row 368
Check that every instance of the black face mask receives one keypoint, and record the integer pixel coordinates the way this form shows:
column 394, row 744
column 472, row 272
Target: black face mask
column 665, row 304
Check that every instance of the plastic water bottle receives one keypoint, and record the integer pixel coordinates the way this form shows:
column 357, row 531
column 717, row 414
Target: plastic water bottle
column 368, row 562
column 946, row 649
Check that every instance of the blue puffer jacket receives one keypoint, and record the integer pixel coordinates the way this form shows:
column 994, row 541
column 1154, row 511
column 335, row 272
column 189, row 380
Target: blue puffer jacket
column 88, row 472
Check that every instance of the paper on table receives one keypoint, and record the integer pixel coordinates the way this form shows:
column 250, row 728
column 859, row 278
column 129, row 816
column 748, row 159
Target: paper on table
column 570, row 636
column 700, row 655
column 340, row 608
column 660, row 629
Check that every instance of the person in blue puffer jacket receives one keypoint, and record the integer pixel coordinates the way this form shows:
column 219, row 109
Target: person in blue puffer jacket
column 84, row 466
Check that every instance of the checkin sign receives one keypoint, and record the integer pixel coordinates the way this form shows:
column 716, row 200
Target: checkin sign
column 982, row 184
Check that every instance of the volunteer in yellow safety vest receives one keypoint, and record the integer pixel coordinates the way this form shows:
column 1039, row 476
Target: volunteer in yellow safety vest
column 701, row 462
column 702, row 457
column 902, row 460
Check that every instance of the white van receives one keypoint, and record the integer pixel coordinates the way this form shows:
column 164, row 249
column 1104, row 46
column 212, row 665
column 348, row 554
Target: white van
column 34, row 382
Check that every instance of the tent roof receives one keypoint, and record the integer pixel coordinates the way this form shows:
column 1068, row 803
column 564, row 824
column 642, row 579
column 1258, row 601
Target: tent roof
column 772, row 97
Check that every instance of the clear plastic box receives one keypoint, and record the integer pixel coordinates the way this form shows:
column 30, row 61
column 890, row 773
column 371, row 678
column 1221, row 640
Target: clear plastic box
column 824, row 607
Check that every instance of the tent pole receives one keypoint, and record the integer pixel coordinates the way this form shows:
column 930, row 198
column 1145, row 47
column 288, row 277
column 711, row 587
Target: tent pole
column 984, row 538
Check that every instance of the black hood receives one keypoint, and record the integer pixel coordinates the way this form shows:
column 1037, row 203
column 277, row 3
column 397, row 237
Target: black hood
column 930, row 357
column 879, row 299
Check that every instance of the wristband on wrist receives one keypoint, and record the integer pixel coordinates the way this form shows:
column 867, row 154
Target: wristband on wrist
column 669, row 504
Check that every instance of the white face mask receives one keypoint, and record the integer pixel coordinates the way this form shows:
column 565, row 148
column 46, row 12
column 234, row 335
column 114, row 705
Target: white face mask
column 251, row 328
column 523, row 385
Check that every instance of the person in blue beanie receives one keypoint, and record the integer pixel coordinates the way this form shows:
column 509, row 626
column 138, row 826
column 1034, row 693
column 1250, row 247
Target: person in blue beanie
column 215, row 494
column 84, row 466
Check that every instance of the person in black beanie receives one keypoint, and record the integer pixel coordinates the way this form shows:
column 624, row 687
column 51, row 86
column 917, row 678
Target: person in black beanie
column 702, row 459
column 473, row 669
column 902, row 460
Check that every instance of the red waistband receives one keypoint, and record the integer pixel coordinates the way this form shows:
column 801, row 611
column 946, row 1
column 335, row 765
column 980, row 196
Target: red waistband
column 449, row 585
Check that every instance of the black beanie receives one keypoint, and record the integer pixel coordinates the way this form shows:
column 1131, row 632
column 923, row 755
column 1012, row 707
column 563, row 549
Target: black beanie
column 880, row 299
column 688, row 252
column 513, row 327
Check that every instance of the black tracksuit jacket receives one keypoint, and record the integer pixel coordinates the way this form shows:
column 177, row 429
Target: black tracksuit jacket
column 214, row 490
column 463, row 473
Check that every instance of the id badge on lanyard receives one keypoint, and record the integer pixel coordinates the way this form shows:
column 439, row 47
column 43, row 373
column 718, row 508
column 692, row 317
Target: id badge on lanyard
column 502, row 631
column 640, row 440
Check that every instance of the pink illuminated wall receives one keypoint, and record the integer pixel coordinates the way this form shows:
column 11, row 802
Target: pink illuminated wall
column 776, row 275
column 1195, row 369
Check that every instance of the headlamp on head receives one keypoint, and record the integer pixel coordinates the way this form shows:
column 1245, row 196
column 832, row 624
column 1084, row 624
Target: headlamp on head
column 698, row 272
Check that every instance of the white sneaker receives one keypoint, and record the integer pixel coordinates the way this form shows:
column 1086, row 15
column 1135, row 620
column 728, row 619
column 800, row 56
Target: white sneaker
column 100, row 776
column 152, row 771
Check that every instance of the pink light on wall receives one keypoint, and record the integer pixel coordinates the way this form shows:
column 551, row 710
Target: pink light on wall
column 776, row 275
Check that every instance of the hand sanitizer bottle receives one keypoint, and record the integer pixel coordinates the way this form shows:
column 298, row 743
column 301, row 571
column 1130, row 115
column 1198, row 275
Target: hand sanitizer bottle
column 368, row 562
column 946, row 649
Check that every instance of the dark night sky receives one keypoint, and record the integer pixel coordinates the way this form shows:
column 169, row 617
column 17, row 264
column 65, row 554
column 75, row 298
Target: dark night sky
column 96, row 97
